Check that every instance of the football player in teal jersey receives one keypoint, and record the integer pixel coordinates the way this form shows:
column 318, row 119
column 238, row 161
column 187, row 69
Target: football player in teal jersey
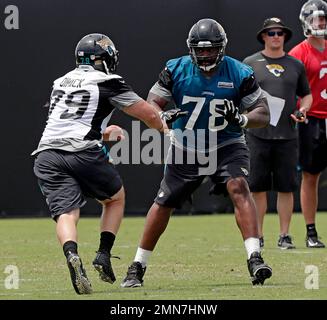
column 222, row 97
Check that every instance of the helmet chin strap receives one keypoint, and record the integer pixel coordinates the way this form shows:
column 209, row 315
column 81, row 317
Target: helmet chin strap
column 212, row 66
column 208, row 68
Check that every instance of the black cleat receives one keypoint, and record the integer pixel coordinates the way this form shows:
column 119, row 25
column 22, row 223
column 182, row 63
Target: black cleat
column 259, row 271
column 285, row 242
column 78, row 275
column 261, row 242
column 314, row 242
column 134, row 276
column 102, row 264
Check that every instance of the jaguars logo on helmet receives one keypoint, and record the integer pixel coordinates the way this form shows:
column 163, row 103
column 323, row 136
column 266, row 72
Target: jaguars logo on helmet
column 98, row 51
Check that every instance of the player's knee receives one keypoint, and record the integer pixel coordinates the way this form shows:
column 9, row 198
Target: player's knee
column 162, row 210
column 117, row 197
column 310, row 178
column 237, row 187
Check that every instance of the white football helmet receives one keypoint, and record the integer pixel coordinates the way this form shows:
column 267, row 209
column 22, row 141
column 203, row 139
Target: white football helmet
column 313, row 17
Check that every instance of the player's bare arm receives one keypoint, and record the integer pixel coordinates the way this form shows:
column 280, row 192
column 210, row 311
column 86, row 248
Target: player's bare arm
column 258, row 115
column 147, row 113
column 158, row 102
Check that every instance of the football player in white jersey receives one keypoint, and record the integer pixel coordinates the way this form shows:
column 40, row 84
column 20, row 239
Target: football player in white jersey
column 71, row 160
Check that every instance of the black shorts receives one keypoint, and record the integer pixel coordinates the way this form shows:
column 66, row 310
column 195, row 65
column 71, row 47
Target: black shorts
column 181, row 180
column 273, row 164
column 313, row 145
column 65, row 178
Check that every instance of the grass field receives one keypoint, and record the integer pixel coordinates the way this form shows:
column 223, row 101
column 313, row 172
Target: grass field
column 199, row 257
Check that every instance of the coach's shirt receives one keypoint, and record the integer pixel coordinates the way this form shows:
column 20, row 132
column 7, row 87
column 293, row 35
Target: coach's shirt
column 81, row 104
column 189, row 89
column 283, row 79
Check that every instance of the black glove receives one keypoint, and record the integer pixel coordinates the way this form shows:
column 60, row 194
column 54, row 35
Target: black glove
column 172, row 115
column 299, row 115
column 232, row 114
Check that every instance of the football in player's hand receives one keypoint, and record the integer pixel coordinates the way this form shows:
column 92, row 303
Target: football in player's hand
column 113, row 133
column 299, row 115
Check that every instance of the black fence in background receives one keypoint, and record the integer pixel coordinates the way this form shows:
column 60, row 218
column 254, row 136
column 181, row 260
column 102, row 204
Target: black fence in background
column 146, row 33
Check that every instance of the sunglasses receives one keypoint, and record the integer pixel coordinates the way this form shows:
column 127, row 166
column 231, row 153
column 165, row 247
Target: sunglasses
column 273, row 33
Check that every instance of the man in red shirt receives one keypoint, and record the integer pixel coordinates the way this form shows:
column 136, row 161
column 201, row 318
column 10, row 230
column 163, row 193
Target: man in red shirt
column 312, row 134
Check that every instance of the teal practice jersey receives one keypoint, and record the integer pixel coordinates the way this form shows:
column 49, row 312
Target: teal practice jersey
column 203, row 128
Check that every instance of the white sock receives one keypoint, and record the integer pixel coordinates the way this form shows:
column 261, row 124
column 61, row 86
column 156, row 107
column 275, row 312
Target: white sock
column 142, row 256
column 252, row 245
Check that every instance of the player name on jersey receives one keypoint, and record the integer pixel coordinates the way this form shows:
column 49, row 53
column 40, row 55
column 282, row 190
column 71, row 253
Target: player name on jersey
column 69, row 82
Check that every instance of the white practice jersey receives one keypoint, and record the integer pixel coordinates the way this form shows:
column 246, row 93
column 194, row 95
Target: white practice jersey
column 81, row 105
